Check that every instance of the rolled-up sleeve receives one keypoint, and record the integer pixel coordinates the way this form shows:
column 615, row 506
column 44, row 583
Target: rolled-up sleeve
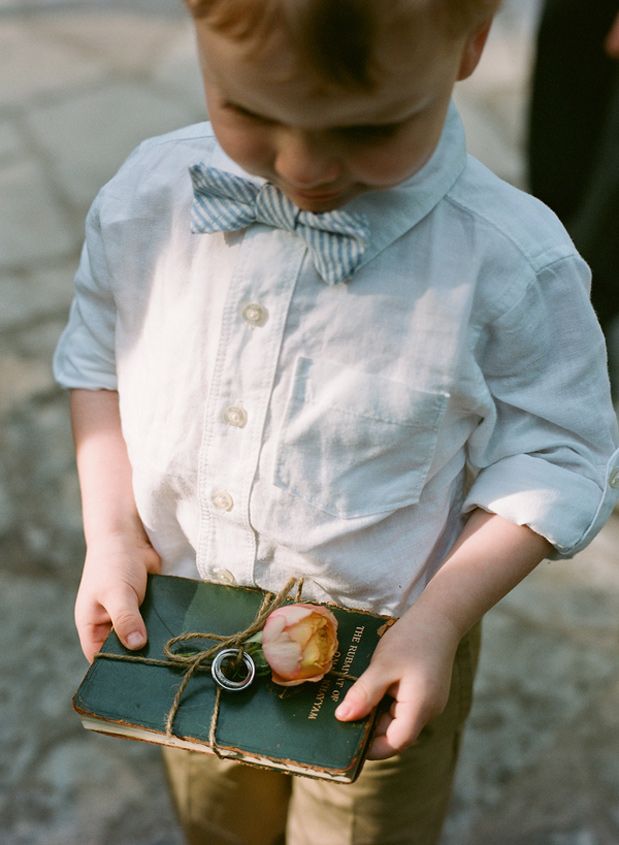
column 545, row 453
column 85, row 356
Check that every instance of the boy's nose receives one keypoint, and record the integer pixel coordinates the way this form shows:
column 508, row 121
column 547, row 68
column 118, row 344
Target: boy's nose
column 305, row 161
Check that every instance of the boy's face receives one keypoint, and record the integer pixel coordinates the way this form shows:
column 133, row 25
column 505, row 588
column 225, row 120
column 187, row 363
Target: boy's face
column 323, row 145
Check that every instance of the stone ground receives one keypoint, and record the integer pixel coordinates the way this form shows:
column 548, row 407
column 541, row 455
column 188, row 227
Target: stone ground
column 80, row 84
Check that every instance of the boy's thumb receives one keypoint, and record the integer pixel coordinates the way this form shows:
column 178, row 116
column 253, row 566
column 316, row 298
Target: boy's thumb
column 363, row 696
column 122, row 605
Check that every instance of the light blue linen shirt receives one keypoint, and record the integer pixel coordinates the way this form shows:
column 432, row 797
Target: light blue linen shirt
column 278, row 426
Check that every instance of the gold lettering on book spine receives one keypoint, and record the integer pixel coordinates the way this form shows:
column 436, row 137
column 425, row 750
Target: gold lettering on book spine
column 319, row 700
column 341, row 675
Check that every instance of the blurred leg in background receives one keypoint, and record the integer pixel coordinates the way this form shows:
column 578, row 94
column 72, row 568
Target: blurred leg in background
column 574, row 141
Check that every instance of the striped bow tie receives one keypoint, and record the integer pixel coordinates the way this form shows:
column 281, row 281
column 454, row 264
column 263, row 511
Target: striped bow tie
column 224, row 202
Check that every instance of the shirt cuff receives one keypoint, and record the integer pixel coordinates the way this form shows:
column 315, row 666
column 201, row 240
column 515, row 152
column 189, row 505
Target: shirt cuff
column 76, row 366
column 564, row 507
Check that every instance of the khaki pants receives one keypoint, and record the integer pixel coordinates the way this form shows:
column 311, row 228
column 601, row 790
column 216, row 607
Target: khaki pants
column 400, row 801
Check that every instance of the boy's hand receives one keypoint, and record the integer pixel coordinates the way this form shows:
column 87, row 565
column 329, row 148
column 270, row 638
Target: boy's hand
column 412, row 664
column 111, row 590
column 119, row 555
column 414, row 660
column 612, row 39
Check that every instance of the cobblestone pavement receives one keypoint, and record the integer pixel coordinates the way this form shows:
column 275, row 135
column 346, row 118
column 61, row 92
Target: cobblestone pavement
column 80, row 84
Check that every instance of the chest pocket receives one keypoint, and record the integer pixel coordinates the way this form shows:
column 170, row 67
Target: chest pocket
column 355, row 444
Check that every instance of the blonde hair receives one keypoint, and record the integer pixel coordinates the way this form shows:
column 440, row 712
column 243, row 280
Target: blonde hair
column 336, row 38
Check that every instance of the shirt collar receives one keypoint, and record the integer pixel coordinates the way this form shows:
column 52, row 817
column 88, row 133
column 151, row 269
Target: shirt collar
column 393, row 212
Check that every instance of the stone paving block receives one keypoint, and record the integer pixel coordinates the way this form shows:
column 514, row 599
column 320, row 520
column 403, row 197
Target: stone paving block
column 11, row 143
column 105, row 125
column 7, row 510
column 39, row 467
column 115, row 37
column 529, row 685
column 559, row 598
column 131, row 779
column 509, row 107
column 12, row 296
column 35, row 67
column 596, row 566
column 30, row 296
column 40, row 665
column 572, row 796
column 177, row 71
column 146, row 7
column 64, row 786
column 493, row 100
column 548, row 651
column 35, row 341
column 21, row 379
column 34, row 223
column 539, row 762
column 26, row 377
column 489, row 139
column 506, row 59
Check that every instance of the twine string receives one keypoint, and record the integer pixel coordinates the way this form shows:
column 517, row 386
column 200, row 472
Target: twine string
column 194, row 661
column 212, row 731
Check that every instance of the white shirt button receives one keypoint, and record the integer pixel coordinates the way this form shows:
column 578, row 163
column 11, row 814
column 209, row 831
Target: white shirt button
column 223, row 575
column 236, row 415
column 222, row 500
column 614, row 479
column 255, row 314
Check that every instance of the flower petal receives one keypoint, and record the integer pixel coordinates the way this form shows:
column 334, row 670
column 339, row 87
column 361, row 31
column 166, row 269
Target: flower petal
column 283, row 656
column 299, row 642
column 291, row 613
column 294, row 682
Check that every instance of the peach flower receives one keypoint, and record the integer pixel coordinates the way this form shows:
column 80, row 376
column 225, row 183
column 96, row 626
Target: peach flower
column 299, row 642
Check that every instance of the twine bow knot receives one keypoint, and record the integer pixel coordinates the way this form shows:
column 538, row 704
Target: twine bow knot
column 195, row 660
column 202, row 659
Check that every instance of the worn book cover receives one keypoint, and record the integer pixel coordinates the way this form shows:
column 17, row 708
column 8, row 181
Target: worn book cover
column 293, row 729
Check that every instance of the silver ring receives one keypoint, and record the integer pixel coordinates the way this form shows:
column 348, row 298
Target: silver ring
column 223, row 680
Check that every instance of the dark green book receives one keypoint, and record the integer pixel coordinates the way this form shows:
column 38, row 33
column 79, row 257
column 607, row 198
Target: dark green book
column 293, row 729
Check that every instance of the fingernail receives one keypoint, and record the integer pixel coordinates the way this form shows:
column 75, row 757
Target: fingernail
column 342, row 711
column 135, row 639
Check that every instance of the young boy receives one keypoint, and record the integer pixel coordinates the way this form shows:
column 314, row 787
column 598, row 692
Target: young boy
column 371, row 364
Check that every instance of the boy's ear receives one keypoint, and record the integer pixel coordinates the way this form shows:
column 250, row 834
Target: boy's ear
column 473, row 48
